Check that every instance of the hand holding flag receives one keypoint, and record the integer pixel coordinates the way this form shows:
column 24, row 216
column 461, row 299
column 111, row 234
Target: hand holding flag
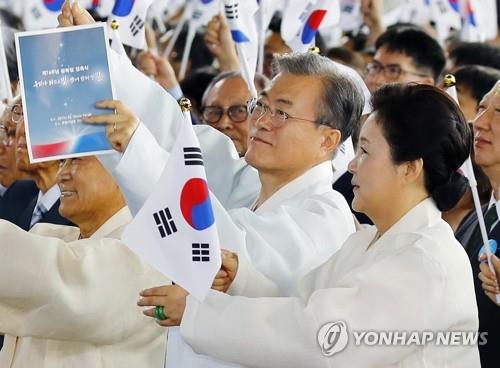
column 175, row 229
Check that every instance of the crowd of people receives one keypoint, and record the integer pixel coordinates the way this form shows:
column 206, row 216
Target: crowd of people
column 390, row 243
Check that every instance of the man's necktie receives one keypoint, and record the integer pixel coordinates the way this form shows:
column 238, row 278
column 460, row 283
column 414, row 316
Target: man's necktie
column 38, row 213
column 476, row 240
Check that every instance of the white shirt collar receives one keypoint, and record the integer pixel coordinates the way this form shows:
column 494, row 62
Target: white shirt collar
column 2, row 190
column 118, row 220
column 321, row 172
column 49, row 198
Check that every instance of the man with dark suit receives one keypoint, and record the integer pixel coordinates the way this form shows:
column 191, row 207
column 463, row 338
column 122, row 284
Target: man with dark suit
column 26, row 203
column 487, row 156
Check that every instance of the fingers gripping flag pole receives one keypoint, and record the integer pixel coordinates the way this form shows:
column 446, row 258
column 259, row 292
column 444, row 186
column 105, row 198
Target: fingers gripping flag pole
column 242, row 37
column 449, row 83
column 175, row 229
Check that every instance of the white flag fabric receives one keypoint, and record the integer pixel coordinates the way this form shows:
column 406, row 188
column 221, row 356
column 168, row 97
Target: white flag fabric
column 240, row 16
column 203, row 11
column 302, row 20
column 350, row 15
column 479, row 20
column 175, row 229
column 131, row 14
column 41, row 14
column 446, row 14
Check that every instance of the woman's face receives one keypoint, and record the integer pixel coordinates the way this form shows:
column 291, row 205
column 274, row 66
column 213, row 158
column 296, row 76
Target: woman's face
column 375, row 177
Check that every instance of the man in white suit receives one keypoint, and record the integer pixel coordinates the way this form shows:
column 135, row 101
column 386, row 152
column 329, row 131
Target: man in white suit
column 56, row 282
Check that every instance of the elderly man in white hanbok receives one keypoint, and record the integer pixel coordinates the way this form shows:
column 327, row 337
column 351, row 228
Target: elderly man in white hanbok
column 67, row 294
column 406, row 274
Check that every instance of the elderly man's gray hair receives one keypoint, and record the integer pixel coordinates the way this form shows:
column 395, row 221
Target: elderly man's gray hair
column 343, row 98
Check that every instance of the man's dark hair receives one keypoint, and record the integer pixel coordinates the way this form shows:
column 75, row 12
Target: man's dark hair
column 476, row 53
column 477, row 79
column 424, row 50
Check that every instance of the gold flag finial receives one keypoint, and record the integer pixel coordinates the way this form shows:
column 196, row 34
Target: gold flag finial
column 449, row 80
column 185, row 104
column 115, row 24
column 314, row 50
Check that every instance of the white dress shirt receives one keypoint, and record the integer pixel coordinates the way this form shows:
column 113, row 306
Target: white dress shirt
column 415, row 277
column 44, row 203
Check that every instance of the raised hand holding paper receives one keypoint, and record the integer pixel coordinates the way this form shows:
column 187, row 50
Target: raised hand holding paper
column 60, row 83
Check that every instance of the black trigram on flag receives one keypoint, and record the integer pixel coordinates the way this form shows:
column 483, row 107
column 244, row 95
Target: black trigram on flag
column 232, row 11
column 166, row 225
column 136, row 25
column 201, row 252
column 36, row 12
column 192, row 156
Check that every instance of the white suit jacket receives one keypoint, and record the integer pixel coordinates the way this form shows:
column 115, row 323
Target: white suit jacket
column 69, row 303
column 416, row 277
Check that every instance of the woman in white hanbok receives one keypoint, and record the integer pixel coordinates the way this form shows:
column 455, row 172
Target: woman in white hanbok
column 406, row 278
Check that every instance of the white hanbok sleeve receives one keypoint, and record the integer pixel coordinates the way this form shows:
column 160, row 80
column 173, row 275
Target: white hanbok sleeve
column 83, row 290
column 399, row 293
column 233, row 182
column 287, row 243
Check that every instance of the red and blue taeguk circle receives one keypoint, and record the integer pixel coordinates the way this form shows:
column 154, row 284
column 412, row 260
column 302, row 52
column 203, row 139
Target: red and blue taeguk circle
column 195, row 204
column 53, row 5
column 123, row 8
column 312, row 26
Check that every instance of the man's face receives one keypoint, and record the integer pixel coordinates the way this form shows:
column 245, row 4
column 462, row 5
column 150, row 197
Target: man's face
column 393, row 67
column 274, row 44
column 467, row 102
column 229, row 97
column 87, row 190
column 8, row 168
column 487, row 131
column 296, row 145
column 22, row 158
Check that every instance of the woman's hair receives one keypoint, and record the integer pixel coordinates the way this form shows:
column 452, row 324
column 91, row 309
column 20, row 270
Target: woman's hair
column 421, row 121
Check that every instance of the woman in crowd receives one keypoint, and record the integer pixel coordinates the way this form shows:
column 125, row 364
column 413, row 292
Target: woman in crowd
column 407, row 273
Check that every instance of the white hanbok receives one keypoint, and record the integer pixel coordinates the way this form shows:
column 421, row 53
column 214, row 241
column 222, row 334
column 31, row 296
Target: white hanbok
column 66, row 302
column 416, row 277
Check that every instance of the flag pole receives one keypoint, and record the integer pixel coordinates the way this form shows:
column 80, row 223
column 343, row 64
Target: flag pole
column 185, row 105
column 262, row 37
column 449, row 83
column 178, row 29
column 187, row 50
column 116, row 42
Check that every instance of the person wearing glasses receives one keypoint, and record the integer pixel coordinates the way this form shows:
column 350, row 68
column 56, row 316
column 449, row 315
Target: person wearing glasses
column 8, row 169
column 296, row 221
column 406, row 275
column 403, row 55
column 28, row 202
column 224, row 106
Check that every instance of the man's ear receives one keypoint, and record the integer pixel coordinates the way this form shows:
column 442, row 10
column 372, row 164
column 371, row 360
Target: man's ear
column 331, row 139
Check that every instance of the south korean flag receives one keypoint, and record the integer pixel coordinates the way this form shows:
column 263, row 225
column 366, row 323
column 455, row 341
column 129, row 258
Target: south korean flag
column 131, row 16
column 175, row 229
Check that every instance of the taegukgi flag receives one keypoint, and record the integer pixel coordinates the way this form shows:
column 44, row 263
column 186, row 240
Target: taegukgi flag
column 175, row 229
column 303, row 19
column 131, row 15
column 41, row 14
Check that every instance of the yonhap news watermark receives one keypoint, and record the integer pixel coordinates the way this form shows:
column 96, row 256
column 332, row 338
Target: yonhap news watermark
column 333, row 337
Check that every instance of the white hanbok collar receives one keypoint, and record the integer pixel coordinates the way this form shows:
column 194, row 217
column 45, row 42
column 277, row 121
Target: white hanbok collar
column 320, row 173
